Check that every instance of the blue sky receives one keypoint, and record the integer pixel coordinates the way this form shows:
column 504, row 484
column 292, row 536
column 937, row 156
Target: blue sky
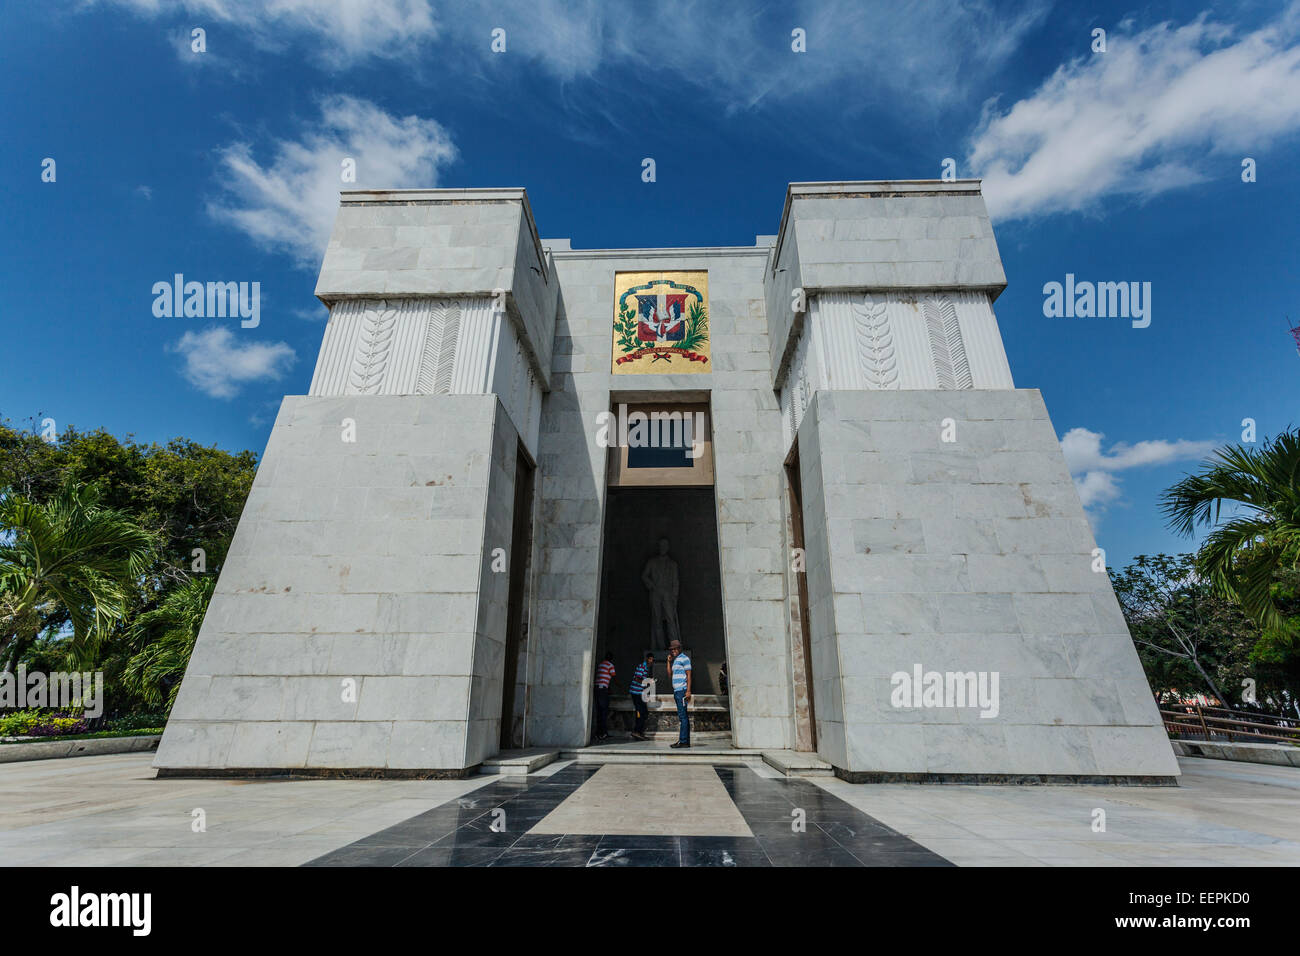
column 224, row 165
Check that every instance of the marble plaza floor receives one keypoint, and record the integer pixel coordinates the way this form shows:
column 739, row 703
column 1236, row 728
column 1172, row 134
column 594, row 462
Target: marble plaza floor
column 110, row 810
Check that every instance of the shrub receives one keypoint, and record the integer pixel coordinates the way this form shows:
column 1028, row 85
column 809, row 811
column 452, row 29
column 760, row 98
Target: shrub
column 59, row 725
column 17, row 723
column 136, row 722
column 34, row 722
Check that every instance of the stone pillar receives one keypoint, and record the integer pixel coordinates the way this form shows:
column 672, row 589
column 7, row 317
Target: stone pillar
column 358, row 625
column 944, row 537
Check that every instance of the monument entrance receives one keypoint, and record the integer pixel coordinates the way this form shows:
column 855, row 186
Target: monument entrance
column 516, row 610
column 660, row 572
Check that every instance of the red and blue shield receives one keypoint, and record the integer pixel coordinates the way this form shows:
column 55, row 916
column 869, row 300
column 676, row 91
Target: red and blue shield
column 661, row 318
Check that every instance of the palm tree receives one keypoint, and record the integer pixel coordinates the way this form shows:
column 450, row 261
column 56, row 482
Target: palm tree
column 1243, row 554
column 167, row 635
column 66, row 554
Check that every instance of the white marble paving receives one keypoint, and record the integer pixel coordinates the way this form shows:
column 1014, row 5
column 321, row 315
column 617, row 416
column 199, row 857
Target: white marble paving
column 109, row 811
column 1220, row 815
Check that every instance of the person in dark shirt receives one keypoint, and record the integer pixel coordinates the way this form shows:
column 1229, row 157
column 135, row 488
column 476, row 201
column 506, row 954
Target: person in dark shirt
column 640, row 676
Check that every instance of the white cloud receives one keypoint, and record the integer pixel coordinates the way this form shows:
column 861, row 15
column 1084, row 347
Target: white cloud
column 219, row 366
column 316, row 313
column 1162, row 109
column 346, row 29
column 742, row 55
column 288, row 204
column 1094, row 471
column 1096, row 488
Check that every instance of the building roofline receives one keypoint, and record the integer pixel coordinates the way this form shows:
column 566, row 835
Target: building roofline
column 361, row 197
column 661, row 252
column 856, row 188
column 850, row 188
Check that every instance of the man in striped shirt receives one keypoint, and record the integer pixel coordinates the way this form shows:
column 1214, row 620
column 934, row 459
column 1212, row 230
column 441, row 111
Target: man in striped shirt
column 680, row 665
column 639, row 706
column 604, row 675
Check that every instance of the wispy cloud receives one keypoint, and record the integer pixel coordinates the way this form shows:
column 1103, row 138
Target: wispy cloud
column 1095, row 472
column 218, row 365
column 287, row 203
column 741, row 55
column 316, row 313
column 345, row 29
column 1162, row 109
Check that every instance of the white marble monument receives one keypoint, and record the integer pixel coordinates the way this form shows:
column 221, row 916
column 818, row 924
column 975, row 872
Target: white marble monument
column 365, row 623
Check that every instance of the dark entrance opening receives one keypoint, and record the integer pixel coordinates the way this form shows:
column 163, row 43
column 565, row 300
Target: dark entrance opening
column 516, row 618
column 635, row 521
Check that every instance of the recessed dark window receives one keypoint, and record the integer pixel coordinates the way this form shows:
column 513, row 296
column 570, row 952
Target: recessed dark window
column 648, row 457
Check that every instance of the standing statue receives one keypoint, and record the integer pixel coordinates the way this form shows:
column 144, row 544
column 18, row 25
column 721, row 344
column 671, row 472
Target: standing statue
column 660, row 579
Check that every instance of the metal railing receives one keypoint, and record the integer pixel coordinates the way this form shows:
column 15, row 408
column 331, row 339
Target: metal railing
column 1207, row 723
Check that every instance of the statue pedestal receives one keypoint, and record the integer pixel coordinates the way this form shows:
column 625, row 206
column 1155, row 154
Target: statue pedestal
column 663, row 680
column 709, row 714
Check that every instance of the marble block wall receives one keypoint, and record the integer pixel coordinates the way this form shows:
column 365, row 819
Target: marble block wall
column 965, row 556
column 357, row 623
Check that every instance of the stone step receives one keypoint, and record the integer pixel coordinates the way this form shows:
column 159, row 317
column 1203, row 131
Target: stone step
column 700, row 736
column 519, row 762
column 795, row 763
column 705, row 717
column 661, row 753
column 622, row 701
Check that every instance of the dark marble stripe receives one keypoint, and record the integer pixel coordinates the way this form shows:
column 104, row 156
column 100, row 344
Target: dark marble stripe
column 833, row 832
column 459, row 833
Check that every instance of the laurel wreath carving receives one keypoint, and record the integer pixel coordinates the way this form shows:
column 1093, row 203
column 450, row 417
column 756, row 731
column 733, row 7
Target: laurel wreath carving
column 875, row 343
column 946, row 344
column 799, row 398
column 439, row 356
column 373, row 345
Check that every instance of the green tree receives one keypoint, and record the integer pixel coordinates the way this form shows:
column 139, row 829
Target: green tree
column 164, row 638
column 1183, row 631
column 1190, row 637
column 191, row 495
column 69, row 553
column 1246, row 551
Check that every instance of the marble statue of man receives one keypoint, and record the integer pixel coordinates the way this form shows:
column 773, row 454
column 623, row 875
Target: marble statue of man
column 660, row 579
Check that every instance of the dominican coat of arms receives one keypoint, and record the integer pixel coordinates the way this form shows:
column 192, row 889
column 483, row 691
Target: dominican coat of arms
column 661, row 322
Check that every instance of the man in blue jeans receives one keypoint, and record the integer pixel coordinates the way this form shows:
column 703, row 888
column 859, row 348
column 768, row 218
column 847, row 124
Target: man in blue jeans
column 640, row 677
column 680, row 665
